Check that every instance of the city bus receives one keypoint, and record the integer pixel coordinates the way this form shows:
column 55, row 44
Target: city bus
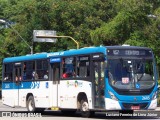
column 87, row 80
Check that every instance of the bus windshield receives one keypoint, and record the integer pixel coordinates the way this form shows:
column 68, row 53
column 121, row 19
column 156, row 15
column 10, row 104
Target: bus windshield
column 131, row 73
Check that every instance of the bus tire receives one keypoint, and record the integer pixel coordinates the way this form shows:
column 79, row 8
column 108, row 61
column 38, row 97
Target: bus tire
column 84, row 108
column 31, row 104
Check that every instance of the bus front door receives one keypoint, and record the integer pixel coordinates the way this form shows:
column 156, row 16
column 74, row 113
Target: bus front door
column 99, row 85
column 55, row 70
column 17, row 83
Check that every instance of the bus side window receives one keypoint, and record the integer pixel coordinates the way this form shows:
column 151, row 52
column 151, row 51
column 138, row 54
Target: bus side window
column 82, row 70
column 42, row 69
column 69, row 65
column 83, row 66
column 29, row 70
column 24, row 71
column 8, row 75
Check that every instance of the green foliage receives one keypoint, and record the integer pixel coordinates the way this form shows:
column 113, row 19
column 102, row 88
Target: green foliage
column 132, row 16
column 90, row 22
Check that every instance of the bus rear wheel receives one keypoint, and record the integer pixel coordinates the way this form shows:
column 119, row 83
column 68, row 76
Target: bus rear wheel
column 84, row 109
column 31, row 104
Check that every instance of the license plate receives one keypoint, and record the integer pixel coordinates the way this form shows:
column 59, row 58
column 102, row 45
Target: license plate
column 135, row 107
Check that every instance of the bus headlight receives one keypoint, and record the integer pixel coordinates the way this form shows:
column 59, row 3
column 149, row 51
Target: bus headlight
column 154, row 96
column 112, row 96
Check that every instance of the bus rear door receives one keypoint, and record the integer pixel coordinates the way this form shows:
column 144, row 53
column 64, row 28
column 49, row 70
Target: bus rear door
column 55, row 75
column 17, row 83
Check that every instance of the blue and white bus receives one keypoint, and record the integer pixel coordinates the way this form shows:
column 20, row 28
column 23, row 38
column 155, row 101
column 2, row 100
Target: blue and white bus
column 88, row 79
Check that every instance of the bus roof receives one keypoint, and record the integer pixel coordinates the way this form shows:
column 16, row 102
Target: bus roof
column 81, row 51
column 127, row 47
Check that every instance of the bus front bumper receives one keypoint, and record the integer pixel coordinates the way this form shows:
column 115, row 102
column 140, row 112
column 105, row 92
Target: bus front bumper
column 111, row 104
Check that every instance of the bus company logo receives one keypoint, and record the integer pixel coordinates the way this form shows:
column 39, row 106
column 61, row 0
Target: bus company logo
column 135, row 99
column 7, row 86
column 78, row 84
column 55, row 54
column 35, row 85
column 69, row 84
column 137, row 85
column 74, row 83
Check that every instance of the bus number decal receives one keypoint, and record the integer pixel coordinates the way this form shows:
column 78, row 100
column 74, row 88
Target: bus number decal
column 7, row 86
column 145, row 98
column 47, row 85
column 22, row 86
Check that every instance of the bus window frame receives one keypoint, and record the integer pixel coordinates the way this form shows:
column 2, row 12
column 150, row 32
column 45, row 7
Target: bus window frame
column 35, row 60
column 76, row 71
column 15, row 66
column 48, row 69
column 3, row 72
column 62, row 67
column 29, row 70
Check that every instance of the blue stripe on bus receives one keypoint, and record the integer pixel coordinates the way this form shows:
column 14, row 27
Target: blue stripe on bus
column 83, row 51
column 126, row 98
column 56, row 54
column 22, row 85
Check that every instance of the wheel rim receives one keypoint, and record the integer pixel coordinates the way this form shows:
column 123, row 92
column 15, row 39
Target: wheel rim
column 30, row 105
column 85, row 106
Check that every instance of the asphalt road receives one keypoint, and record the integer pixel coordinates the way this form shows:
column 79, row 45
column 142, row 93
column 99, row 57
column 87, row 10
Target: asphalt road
column 20, row 113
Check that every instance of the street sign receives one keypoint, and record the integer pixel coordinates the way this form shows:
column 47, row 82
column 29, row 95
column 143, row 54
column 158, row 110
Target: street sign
column 39, row 36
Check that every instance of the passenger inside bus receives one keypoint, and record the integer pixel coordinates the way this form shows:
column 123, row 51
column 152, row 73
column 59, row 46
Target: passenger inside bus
column 6, row 78
column 46, row 75
column 68, row 68
column 18, row 78
column 65, row 75
column 34, row 75
column 24, row 72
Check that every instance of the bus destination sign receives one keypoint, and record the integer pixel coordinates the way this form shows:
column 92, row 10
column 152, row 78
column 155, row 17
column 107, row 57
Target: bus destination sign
column 126, row 52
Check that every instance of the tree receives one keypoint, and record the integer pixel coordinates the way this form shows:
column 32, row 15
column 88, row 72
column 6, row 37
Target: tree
column 132, row 16
column 90, row 22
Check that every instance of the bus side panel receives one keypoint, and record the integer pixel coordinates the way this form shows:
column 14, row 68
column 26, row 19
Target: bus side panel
column 53, row 95
column 68, row 91
column 22, row 97
column 8, row 98
column 39, row 90
column 8, row 94
column 41, row 94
